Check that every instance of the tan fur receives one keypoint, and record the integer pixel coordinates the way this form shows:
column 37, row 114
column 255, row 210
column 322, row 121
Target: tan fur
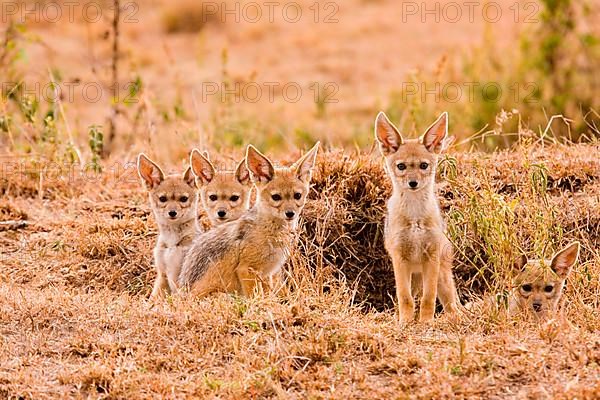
column 243, row 256
column 414, row 230
column 224, row 195
column 175, row 195
column 538, row 287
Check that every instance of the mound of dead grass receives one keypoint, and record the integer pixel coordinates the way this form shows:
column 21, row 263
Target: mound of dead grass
column 528, row 200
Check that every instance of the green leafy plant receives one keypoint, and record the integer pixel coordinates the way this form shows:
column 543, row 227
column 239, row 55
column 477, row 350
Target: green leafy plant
column 96, row 143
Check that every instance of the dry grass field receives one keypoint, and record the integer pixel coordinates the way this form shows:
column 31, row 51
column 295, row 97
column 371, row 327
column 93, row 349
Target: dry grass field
column 77, row 232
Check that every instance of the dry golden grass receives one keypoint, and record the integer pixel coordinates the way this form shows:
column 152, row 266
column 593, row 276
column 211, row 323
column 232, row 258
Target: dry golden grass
column 75, row 321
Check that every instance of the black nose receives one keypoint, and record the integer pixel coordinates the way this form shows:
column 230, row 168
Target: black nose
column 172, row 213
column 221, row 213
column 537, row 306
column 413, row 184
column 290, row 214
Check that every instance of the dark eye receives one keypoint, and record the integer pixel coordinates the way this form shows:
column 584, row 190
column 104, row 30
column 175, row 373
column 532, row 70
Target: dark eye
column 235, row 197
column 526, row 287
column 548, row 288
column 183, row 199
column 213, row 197
column 276, row 197
column 424, row 165
column 297, row 196
column 162, row 199
column 401, row 166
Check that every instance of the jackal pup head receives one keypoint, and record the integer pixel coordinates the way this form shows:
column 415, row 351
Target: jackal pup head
column 225, row 195
column 281, row 192
column 539, row 285
column 173, row 197
column 412, row 163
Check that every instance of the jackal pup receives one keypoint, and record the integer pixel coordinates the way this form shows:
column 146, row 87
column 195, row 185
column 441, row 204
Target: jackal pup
column 539, row 285
column 242, row 255
column 173, row 201
column 414, row 228
column 224, row 195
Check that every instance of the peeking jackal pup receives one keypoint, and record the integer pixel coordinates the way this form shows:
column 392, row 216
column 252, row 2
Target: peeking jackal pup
column 225, row 195
column 173, row 201
column 414, row 229
column 243, row 254
column 539, row 286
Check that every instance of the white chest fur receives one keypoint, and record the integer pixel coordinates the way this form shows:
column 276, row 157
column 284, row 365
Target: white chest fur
column 169, row 253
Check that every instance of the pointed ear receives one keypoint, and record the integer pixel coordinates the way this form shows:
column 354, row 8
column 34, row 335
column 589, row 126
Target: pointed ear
column 242, row 174
column 261, row 169
column 563, row 261
column 435, row 135
column 306, row 163
column 189, row 178
column 387, row 135
column 150, row 173
column 519, row 263
column 202, row 167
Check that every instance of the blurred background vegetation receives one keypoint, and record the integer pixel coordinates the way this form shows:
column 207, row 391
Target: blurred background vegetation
column 552, row 70
column 543, row 85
